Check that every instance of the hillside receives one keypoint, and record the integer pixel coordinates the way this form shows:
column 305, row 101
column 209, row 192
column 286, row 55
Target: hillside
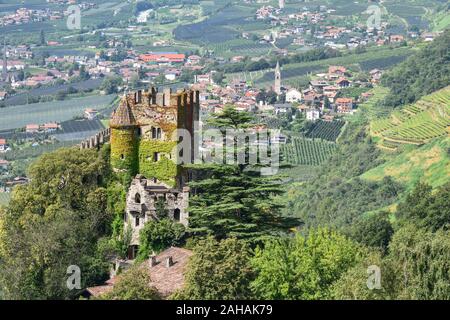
column 428, row 164
column 415, row 124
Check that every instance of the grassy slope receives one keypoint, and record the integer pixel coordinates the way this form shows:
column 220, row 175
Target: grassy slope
column 429, row 163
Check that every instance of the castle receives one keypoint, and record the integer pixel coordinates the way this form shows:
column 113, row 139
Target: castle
column 143, row 136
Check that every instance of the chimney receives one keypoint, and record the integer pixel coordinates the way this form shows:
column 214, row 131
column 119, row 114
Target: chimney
column 152, row 261
column 169, row 262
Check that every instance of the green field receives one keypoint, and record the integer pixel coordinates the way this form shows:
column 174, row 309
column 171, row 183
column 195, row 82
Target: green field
column 55, row 111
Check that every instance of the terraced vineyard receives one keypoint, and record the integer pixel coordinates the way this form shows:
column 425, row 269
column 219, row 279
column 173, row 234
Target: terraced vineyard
column 303, row 151
column 415, row 124
column 326, row 130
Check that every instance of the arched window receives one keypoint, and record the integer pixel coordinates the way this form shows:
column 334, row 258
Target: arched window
column 176, row 214
column 122, row 156
column 137, row 198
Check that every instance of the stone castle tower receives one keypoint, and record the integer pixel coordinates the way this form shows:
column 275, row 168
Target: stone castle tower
column 277, row 87
column 143, row 136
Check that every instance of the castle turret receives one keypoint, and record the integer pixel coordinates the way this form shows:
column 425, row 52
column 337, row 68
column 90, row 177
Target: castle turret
column 124, row 140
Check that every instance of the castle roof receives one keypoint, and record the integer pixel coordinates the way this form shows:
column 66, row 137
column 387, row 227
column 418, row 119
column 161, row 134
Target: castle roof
column 123, row 115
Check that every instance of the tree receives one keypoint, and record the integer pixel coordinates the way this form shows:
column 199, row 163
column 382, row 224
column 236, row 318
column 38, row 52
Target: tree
column 110, row 84
column 42, row 38
column 133, row 284
column 218, row 77
column 52, row 223
column 218, row 270
column 159, row 235
column 373, row 231
column 235, row 200
column 418, row 263
column 302, row 268
column 427, row 209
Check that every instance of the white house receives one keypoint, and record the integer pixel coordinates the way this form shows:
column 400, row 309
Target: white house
column 312, row 115
column 3, row 145
column 293, row 95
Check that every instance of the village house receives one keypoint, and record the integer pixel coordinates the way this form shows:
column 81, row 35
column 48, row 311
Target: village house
column 3, row 95
column 293, row 95
column 312, row 115
column 32, row 128
column 344, row 105
column 3, row 145
column 343, row 83
column 49, row 127
column 90, row 114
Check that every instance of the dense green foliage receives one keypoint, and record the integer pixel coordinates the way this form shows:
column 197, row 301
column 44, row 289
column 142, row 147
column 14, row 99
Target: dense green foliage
column 133, row 285
column 218, row 270
column 158, row 235
column 423, row 73
column 302, row 268
column 234, row 200
column 338, row 195
column 54, row 222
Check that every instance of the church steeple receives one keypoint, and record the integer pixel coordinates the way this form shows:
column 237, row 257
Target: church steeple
column 277, row 87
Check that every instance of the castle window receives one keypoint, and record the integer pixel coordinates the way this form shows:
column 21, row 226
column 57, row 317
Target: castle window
column 176, row 214
column 153, row 133
column 137, row 198
column 156, row 156
column 136, row 221
column 125, row 216
column 158, row 133
column 122, row 157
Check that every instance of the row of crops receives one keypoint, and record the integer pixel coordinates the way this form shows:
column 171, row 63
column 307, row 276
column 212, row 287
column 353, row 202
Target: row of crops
column 329, row 131
column 302, row 151
column 415, row 124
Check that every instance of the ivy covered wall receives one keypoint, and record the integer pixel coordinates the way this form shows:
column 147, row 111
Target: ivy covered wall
column 165, row 169
column 124, row 151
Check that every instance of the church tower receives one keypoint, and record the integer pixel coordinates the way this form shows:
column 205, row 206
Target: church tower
column 277, row 87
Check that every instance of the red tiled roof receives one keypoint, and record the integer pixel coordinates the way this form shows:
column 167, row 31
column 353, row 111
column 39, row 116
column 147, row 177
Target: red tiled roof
column 2, row 141
column 169, row 279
